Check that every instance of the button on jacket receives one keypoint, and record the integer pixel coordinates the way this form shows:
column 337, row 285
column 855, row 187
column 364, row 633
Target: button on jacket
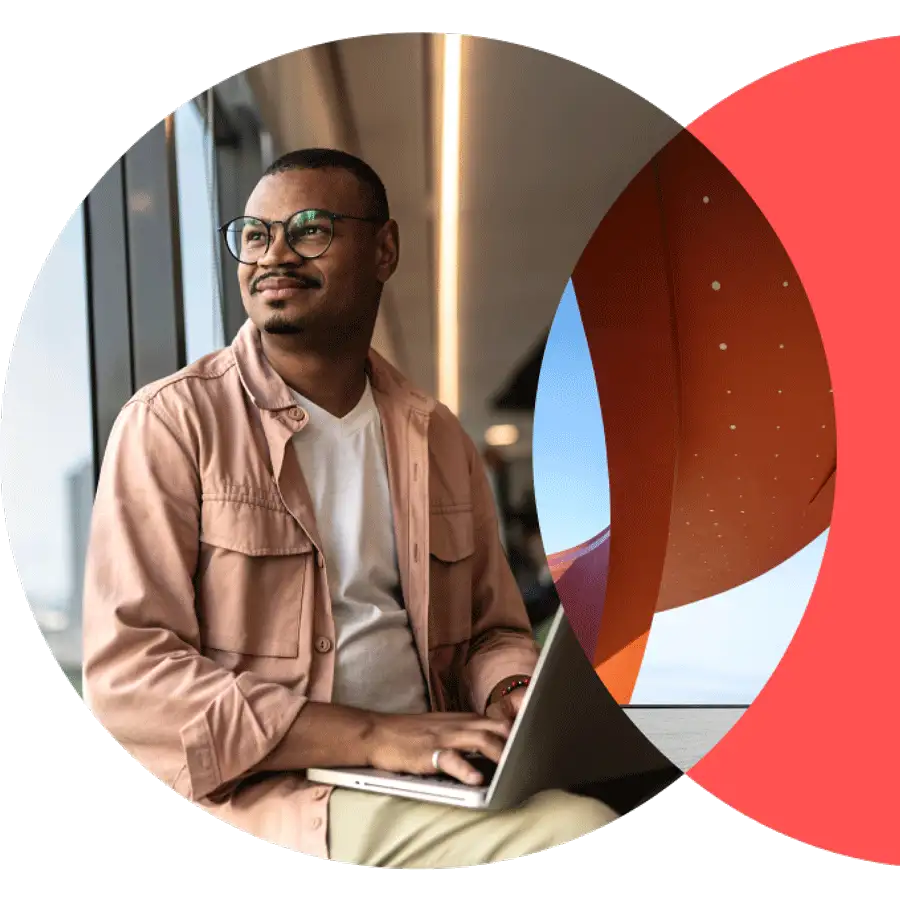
column 207, row 619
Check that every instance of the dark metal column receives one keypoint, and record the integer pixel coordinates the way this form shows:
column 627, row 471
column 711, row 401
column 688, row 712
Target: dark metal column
column 241, row 152
column 108, row 292
column 154, row 260
column 239, row 166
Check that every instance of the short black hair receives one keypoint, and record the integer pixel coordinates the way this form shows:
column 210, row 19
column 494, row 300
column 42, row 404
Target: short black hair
column 324, row 158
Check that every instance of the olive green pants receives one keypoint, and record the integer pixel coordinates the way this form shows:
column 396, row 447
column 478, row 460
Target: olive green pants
column 377, row 830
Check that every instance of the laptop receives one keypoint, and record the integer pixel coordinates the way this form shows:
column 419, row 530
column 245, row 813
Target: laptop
column 570, row 734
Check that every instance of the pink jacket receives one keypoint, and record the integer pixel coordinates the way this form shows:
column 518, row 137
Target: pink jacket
column 207, row 619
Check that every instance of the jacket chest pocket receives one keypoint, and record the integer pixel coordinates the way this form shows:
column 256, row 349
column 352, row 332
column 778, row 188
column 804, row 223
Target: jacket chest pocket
column 452, row 549
column 255, row 565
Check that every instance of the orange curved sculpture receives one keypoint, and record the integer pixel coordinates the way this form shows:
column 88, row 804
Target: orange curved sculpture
column 716, row 403
column 582, row 573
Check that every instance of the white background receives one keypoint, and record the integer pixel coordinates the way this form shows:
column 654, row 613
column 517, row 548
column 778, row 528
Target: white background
column 82, row 81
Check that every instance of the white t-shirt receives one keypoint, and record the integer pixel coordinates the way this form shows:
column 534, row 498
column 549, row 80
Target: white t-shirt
column 344, row 464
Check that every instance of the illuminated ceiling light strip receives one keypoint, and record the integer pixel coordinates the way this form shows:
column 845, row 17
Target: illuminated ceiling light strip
column 448, row 240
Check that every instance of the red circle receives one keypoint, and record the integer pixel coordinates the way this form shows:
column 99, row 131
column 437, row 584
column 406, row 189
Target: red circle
column 817, row 146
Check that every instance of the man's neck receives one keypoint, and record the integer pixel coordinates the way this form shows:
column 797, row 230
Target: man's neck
column 334, row 382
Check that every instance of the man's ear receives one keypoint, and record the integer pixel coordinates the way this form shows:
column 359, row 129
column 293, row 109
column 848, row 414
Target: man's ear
column 388, row 250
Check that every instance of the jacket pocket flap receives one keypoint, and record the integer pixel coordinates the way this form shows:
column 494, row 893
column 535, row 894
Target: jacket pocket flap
column 451, row 536
column 251, row 529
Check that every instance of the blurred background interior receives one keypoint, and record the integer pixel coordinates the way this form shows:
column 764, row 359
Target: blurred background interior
column 499, row 162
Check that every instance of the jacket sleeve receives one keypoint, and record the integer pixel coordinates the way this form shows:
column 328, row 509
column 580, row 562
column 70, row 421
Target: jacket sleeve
column 502, row 642
column 185, row 717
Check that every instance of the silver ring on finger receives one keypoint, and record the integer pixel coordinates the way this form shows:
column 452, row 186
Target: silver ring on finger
column 435, row 760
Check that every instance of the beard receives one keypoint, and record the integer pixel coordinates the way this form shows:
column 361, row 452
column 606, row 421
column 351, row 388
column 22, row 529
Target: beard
column 285, row 321
column 279, row 323
column 322, row 326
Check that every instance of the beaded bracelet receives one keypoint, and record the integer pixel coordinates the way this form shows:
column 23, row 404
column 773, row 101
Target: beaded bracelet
column 519, row 682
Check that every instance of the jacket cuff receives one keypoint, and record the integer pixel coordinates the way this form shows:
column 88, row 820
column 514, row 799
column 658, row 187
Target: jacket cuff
column 236, row 731
column 488, row 669
column 200, row 759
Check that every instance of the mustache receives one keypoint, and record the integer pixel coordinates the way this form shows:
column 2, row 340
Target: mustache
column 304, row 281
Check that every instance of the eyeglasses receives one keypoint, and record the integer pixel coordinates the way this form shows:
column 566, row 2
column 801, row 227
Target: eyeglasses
column 308, row 233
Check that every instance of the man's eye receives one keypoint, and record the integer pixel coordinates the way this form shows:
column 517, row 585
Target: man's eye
column 308, row 233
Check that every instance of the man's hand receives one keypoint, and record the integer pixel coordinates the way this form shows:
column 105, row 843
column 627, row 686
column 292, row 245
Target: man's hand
column 407, row 743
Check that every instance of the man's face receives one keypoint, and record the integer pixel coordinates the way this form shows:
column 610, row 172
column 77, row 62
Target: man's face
column 336, row 295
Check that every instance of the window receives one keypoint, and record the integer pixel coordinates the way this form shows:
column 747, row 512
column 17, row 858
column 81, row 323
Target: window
column 197, row 209
column 47, row 451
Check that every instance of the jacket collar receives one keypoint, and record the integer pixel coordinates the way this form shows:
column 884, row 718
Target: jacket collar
column 269, row 391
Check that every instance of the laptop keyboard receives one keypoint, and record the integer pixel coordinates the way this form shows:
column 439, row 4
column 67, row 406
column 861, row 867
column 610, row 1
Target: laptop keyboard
column 434, row 779
column 485, row 766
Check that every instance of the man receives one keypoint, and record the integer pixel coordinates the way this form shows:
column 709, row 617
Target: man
column 295, row 560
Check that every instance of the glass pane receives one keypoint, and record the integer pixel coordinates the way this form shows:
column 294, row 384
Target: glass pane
column 203, row 328
column 47, row 448
column 567, row 394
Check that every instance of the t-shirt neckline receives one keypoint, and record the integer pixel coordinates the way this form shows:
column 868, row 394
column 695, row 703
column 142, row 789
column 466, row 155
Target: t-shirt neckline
column 359, row 416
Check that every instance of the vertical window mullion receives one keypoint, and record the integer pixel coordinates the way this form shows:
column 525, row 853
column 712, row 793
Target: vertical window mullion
column 153, row 257
column 108, row 297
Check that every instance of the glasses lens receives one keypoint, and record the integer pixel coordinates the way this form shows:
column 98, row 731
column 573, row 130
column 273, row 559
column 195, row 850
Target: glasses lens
column 247, row 239
column 310, row 232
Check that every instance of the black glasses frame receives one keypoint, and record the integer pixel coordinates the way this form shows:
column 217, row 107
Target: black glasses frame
column 332, row 216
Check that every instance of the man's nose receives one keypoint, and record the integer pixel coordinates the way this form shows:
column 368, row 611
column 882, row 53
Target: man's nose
column 279, row 252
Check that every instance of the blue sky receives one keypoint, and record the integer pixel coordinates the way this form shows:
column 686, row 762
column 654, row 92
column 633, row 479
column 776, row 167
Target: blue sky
column 569, row 446
column 48, row 371
column 720, row 650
